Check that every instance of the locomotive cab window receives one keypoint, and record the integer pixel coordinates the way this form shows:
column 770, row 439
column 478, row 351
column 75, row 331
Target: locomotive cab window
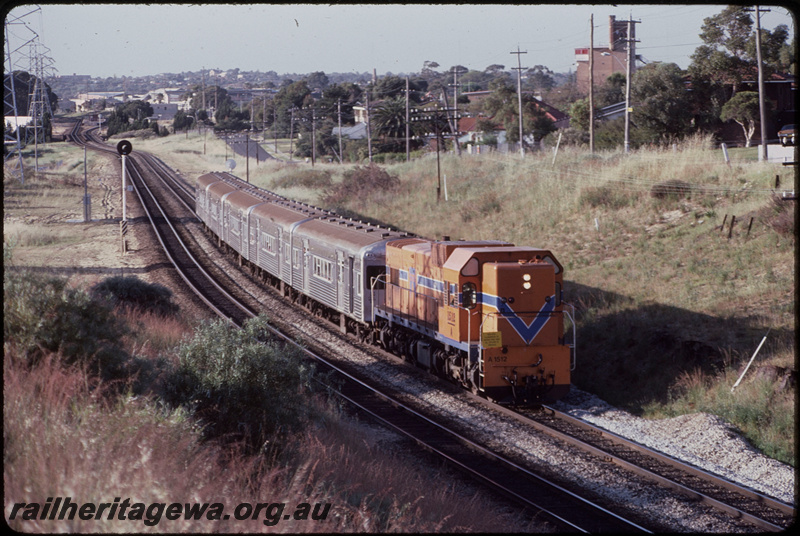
column 376, row 277
column 469, row 295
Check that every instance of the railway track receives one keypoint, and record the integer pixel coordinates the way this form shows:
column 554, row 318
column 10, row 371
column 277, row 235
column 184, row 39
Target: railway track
column 510, row 478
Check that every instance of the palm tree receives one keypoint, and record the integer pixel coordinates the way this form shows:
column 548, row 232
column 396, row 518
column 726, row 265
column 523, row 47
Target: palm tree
column 389, row 120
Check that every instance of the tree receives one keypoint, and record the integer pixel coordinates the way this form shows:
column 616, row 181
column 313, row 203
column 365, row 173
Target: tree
column 611, row 92
column 743, row 108
column 579, row 115
column 661, row 104
column 540, row 78
column 131, row 115
column 502, row 104
column 728, row 52
column 389, row 120
column 389, row 87
column 317, row 79
column 181, row 121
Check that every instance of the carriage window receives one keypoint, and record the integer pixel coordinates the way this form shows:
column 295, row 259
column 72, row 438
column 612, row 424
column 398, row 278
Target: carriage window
column 469, row 295
column 268, row 243
column 323, row 269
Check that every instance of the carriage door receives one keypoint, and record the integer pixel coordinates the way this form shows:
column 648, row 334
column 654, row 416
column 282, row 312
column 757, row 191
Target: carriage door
column 351, row 285
column 341, row 281
column 306, row 256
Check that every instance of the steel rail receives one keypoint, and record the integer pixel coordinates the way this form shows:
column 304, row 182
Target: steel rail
column 681, row 466
column 663, row 458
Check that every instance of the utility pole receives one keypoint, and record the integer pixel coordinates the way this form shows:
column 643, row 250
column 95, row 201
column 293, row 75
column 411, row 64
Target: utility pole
column 408, row 138
column 761, row 108
column 519, row 98
column 291, row 135
column 631, row 56
column 369, row 133
column 456, row 72
column 203, row 78
column 339, row 113
column 313, row 136
column 591, row 84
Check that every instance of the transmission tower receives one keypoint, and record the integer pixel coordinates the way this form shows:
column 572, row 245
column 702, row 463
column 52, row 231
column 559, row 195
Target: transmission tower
column 39, row 109
column 22, row 52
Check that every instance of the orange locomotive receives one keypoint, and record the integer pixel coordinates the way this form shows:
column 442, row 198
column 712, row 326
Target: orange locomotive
column 487, row 314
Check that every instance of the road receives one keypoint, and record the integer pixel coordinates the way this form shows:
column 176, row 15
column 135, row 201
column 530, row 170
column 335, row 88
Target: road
column 239, row 144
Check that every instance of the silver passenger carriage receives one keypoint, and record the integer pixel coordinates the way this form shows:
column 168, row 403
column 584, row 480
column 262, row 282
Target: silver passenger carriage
column 306, row 251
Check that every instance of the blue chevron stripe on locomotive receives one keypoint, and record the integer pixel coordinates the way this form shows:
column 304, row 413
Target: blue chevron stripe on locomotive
column 526, row 331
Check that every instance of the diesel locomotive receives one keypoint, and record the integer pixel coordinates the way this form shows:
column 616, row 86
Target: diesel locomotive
column 486, row 314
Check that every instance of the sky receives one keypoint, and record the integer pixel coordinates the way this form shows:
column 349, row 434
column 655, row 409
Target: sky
column 104, row 40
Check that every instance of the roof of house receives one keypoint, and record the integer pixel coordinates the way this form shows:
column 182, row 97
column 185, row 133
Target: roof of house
column 355, row 132
column 470, row 124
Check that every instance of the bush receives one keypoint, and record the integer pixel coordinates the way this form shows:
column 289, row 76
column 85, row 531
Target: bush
column 779, row 216
column 41, row 315
column 244, row 385
column 133, row 293
column 361, row 183
column 671, row 189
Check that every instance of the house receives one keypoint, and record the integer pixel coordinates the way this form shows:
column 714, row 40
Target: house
column 471, row 135
column 355, row 132
column 163, row 111
column 89, row 101
column 165, row 95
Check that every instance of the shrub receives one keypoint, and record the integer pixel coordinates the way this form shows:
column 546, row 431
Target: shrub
column 41, row 314
column 671, row 189
column 244, row 385
column 360, row 183
column 132, row 292
column 779, row 216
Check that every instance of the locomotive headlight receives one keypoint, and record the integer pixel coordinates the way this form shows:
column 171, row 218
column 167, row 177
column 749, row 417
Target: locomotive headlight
column 526, row 278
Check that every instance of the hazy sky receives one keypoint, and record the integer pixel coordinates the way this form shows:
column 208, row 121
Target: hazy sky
column 138, row 39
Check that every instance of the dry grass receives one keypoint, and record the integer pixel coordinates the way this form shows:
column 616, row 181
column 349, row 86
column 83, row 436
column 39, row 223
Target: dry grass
column 65, row 435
